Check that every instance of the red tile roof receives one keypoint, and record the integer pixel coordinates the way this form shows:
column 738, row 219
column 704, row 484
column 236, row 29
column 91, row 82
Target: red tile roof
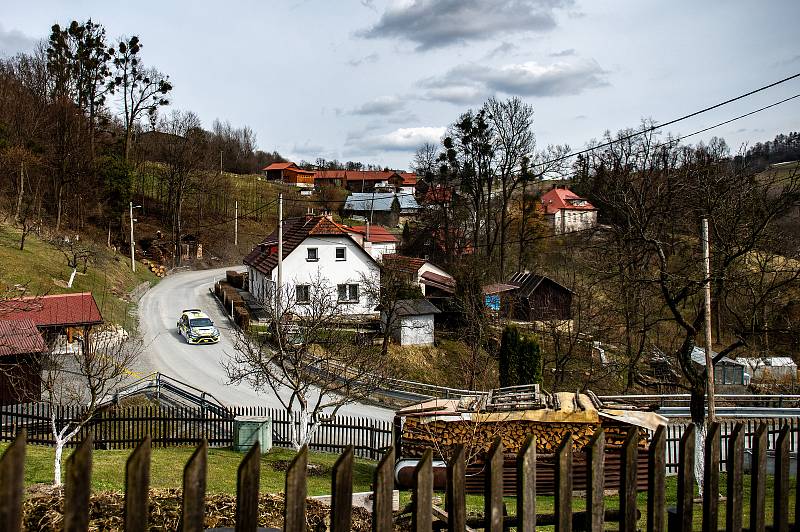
column 20, row 337
column 403, row 263
column 377, row 233
column 58, row 310
column 562, row 198
column 408, row 178
column 448, row 284
column 278, row 166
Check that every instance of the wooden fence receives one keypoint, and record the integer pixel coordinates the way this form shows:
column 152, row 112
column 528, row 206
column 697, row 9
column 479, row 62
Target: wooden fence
column 424, row 515
column 125, row 427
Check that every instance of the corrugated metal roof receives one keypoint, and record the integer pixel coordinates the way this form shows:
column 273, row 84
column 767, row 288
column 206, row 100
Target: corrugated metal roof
column 379, row 201
column 20, row 337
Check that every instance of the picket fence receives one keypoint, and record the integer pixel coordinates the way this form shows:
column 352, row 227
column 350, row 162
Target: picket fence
column 121, row 428
column 424, row 515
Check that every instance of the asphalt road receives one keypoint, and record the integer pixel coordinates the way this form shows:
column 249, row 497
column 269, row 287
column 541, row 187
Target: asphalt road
column 201, row 365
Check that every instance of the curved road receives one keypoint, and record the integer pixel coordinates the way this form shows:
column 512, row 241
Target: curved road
column 201, row 365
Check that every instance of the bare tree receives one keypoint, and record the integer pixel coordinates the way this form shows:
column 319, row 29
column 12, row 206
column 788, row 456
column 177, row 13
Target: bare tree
column 426, row 161
column 307, row 358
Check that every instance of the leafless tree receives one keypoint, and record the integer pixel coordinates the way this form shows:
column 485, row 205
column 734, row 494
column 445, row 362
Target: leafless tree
column 307, row 358
column 425, row 162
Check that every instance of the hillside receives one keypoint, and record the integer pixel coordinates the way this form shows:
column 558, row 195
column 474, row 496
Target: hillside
column 42, row 269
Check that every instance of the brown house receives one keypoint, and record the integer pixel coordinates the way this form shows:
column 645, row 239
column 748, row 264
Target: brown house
column 21, row 348
column 529, row 297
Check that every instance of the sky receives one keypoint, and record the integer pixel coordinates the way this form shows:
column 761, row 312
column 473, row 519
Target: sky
column 370, row 80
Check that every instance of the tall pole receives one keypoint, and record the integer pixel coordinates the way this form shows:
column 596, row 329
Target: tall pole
column 279, row 284
column 133, row 261
column 236, row 224
column 709, row 357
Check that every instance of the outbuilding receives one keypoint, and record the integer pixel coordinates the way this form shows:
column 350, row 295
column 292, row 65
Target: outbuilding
column 413, row 322
column 21, row 350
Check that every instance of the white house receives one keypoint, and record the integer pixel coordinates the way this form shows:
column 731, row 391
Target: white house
column 314, row 248
column 432, row 280
column 376, row 240
column 413, row 322
column 567, row 212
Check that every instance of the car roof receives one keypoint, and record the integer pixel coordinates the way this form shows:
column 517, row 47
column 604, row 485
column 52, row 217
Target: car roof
column 194, row 313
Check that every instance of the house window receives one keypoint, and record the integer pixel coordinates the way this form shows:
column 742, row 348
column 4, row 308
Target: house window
column 313, row 255
column 302, row 293
column 341, row 253
column 348, row 293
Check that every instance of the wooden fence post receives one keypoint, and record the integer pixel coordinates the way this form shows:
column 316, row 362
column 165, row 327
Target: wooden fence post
column 781, row 496
column 383, row 486
column 735, row 479
column 455, row 502
column 294, row 510
column 422, row 495
column 758, row 479
column 526, row 486
column 656, row 470
column 137, row 485
column 12, row 483
column 686, row 479
column 194, row 490
column 711, row 480
column 627, row 493
column 248, row 478
column 342, row 492
column 563, row 488
column 493, row 491
column 78, row 488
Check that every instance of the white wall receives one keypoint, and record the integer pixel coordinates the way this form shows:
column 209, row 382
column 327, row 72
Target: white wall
column 568, row 220
column 378, row 250
column 297, row 270
column 416, row 330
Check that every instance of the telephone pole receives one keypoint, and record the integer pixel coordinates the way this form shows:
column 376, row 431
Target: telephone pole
column 279, row 284
column 236, row 224
column 707, row 291
column 133, row 260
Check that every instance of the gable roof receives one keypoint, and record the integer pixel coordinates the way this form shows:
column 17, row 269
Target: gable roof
column 377, row 233
column 528, row 283
column 415, row 307
column 279, row 166
column 264, row 257
column 57, row 310
column 561, row 198
column 403, row 263
column 20, row 337
column 379, row 201
column 442, row 282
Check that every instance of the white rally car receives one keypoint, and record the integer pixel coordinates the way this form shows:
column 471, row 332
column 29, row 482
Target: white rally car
column 197, row 327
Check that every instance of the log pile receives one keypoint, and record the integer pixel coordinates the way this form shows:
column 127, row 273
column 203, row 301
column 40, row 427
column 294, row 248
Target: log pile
column 159, row 269
column 236, row 279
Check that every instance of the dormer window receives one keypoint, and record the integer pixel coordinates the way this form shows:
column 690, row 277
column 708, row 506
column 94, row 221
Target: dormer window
column 312, row 254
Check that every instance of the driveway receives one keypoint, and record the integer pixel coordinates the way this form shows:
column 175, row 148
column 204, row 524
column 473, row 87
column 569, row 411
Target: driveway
column 201, row 365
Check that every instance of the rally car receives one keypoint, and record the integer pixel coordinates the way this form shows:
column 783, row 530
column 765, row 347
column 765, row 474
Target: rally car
column 197, row 327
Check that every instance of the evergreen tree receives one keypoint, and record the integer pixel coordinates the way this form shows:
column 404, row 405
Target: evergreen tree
column 509, row 344
column 529, row 360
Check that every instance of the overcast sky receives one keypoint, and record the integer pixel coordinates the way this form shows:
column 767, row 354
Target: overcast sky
column 370, row 80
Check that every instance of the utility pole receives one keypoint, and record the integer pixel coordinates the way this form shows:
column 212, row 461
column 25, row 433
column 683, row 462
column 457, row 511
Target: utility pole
column 236, row 224
column 133, row 261
column 220, row 162
column 279, row 284
column 709, row 357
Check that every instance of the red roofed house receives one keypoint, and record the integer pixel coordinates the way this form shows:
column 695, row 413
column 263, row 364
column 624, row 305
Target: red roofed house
column 567, row 212
column 375, row 239
column 289, row 173
column 433, row 281
column 368, row 180
column 21, row 348
column 54, row 314
column 313, row 247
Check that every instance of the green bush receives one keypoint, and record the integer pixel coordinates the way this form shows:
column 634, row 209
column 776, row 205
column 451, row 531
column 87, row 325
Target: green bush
column 520, row 358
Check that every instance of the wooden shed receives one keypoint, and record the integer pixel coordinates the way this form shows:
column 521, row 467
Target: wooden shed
column 21, row 349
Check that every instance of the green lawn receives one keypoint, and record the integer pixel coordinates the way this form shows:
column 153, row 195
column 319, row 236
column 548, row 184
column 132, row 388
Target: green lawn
column 43, row 269
column 108, row 472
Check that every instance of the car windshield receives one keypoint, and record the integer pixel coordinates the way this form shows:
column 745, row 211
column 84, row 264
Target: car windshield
column 201, row 322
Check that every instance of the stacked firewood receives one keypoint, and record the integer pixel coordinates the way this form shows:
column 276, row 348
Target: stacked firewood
column 443, row 436
column 159, row 269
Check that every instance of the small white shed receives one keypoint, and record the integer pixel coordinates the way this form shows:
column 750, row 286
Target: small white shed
column 413, row 322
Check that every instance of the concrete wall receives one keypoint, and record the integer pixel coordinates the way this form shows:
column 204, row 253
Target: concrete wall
column 415, row 330
column 568, row 220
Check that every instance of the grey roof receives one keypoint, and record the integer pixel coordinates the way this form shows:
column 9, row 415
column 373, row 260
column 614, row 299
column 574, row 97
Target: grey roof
column 379, row 201
column 528, row 282
column 415, row 307
column 699, row 357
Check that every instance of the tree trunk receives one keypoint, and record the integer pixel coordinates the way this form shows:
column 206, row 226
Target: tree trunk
column 21, row 188
column 59, row 206
column 697, row 407
column 59, row 451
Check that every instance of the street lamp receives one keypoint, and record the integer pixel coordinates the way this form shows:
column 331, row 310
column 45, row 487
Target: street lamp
column 133, row 260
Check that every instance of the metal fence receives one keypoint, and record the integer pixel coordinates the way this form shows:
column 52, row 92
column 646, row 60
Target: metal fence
column 125, row 427
column 427, row 516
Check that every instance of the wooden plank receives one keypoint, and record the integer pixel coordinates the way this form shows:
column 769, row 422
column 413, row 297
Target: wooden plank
column 383, row 487
column 711, row 479
column 656, row 467
column 294, row 511
column 422, row 494
column 455, row 502
column 563, row 491
column 526, row 486
column 735, row 480
column 12, row 483
column 342, row 492
column 78, row 488
column 686, row 479
column 493, row 492
column 194, row 490
column 628, row 477
column 758, row 480
column 595, row 481
column 781, row 495
column 248, row 478
column 137, row 485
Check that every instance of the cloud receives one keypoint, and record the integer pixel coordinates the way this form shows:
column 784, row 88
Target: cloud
column 13, row 42
column 564, row 53
column 384, row 105
column 371, row 58
column 471, row 83
column 401, row 139
column 437, row 23
column 502, row 49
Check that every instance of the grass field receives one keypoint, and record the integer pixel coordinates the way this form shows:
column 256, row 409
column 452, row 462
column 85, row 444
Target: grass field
column 43, row 270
